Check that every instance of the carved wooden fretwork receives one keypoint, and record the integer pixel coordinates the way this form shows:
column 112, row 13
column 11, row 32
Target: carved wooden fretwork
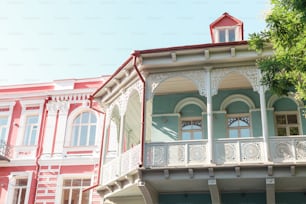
column 251, row 73
column 123, row 99
column 198, row 77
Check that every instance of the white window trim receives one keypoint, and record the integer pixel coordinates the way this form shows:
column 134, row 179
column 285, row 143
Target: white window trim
column 25, row 113
column 226, row 28
column 12, row 181
column 189, row 119
column 8, row 114
column 61, row 178
column 72, row 116
column 299, row 122
column 239, row 115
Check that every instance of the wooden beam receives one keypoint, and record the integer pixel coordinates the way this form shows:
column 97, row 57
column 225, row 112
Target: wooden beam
column 214, row 191
column 270, row 190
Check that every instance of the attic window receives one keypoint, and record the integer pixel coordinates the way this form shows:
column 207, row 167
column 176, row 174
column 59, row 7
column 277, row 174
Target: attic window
column 226, row 34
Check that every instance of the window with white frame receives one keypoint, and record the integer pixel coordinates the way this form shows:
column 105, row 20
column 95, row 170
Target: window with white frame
column 3, row 129
column 31, row 130
column 20, row 190
column 72, row 191
column 226, row 34
column 287, row 123
column 238, row 125
column 84, row 129
column 191, row 129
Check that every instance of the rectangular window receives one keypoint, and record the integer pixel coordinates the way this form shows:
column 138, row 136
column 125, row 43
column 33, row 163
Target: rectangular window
column 3, row 129
column 72, row 192
column 191, row 129
column 238, row 126
column 226, row 34
column 19, row 191
column 30, row 133
column 231, row 35
column 222, row 36
column 286, row 124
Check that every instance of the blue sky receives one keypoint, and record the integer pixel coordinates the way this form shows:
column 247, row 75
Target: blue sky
column 45, row 40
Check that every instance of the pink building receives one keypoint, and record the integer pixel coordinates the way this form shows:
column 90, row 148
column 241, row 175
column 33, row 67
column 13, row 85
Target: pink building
column 50, row 142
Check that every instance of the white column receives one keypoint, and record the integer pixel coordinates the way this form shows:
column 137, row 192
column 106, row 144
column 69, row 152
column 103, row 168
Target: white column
column 263, row 111
column 210, row 147
column 121, row 134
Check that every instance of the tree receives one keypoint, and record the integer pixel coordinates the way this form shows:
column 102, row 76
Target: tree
column 285, row 71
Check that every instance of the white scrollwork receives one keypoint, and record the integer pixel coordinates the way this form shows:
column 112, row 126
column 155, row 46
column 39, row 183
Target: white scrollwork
column 251, row 73
column 301, row 149
column 61, row 106
column 198, row 77
column 251, row 151
column 176, row 154
column 197, row 153
column 230, row 152
column 282, row 151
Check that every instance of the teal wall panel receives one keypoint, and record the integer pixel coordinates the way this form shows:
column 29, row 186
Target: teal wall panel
column 165, row 128
column 237, row 107
column 303, row 120
column 219, row 124
column 243, row 198
column 256, row 123
column 290, row 198
column 271, row 125
column 187, row 198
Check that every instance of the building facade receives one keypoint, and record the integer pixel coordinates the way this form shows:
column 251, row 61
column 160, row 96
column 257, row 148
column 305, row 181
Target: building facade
column 187, row 124
column 193, row 124
column 50, row 142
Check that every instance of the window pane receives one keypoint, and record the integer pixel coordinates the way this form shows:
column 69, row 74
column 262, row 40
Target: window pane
column 281, row 132
column 65, row 196
column 294, row 131
column 2, row 134
column 33, row 135
column 92, row 135
column 85, row 197
column 85, row 117
column 292, row 119
column 231, row 35
column 32, row 120
column 86, row 182
column 77, row 182
column 83, row 139
column 75, row 135
column 3, row 121
column 77, row 120
column 16, row 196
column 233, row 133
column 197, row 135
column 93, row 118
column 245, row 133
column 186, row 136
column 221, row 35
column 281, row 119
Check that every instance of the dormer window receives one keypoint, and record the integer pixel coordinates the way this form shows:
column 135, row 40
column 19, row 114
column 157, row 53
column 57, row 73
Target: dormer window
column 226, row 34
column 226, row 29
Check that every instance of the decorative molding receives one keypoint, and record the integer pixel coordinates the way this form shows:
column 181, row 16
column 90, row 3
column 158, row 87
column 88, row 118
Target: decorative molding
column 197, row 77
column 187, row 101
column 235, row 98
column 251, row 73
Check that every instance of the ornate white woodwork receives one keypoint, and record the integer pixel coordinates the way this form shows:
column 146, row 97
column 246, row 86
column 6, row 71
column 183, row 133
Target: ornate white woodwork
column 291, row 148
column 180, row 153
column 122, row 165
column 240, row 150
column 197, row 77
column 251, row 73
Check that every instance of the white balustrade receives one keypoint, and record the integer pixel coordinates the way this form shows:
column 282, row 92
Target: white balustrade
column 122, row 165
column 179, row 153
column 239, row 150
column 288, row 149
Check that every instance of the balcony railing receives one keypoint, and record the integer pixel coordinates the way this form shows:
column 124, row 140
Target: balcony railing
column 226, row 152
column 5, row 151
column 179, row 153
column 122, row 165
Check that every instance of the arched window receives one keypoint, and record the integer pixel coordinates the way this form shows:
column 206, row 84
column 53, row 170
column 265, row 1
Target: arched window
column 238, row 116
column 84, row 129
column 190, row 110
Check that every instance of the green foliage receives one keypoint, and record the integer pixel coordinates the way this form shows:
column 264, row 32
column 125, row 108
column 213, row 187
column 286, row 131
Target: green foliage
column 286, row 30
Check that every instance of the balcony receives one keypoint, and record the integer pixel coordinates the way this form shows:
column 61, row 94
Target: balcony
column 5, row 151
column 121, row 166
column 238, row 151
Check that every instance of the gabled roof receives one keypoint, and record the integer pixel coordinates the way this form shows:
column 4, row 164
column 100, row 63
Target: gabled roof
column 225, row 20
